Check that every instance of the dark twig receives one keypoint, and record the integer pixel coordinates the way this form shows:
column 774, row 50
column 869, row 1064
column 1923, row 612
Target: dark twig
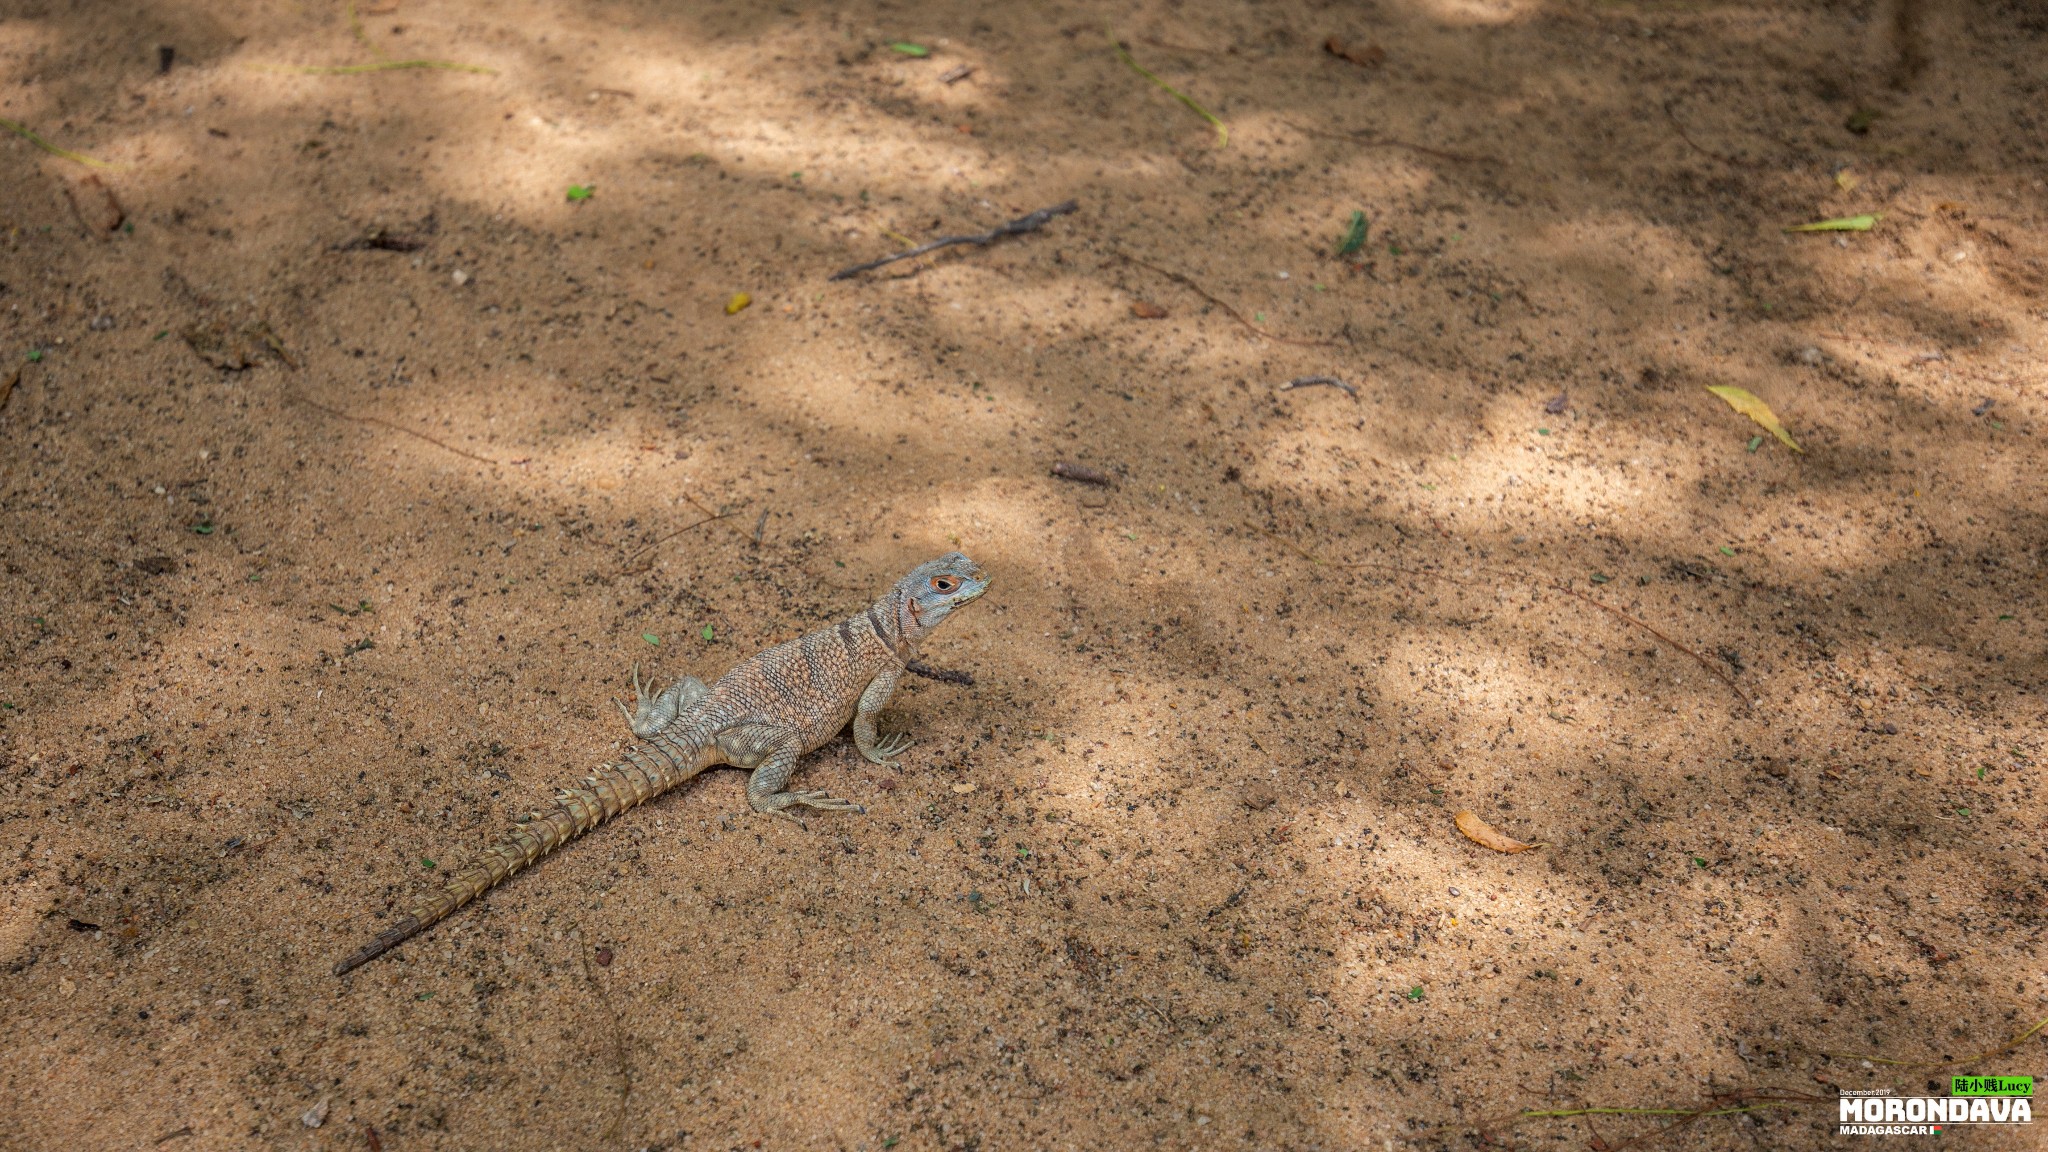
column 942, row 675
column 1308, row 381
column 1017, row 227
column 1533, row 581
column 678, row 532
column 1698, row 147
column 1083, row 474
column 1204, row 293
column 336, row 412
column 1390, row 142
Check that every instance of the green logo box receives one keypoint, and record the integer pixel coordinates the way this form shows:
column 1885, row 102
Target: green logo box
column 1991, row 1086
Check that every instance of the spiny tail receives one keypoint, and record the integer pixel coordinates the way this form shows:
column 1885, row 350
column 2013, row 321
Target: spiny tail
column 648, row 770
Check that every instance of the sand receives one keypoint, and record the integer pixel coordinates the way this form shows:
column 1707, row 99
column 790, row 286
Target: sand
column 350, row 465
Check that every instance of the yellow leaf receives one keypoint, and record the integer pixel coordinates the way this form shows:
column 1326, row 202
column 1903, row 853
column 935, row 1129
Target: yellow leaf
column 1847, row 180
column 1746, row 403
column 1863, row 223
column 739, row 300
column 1487, row 836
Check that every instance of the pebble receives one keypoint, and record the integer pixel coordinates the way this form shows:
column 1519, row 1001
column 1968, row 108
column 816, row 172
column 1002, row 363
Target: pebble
column 460, row 277
column 1809, row 355
column 1455, row 892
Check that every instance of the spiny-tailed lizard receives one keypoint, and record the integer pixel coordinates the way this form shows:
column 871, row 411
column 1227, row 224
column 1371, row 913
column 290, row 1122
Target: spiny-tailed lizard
column 760, row 716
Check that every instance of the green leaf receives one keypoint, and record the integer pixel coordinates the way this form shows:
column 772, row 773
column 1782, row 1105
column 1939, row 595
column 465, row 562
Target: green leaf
column 1863, row 223
column 35, row 355
column 710, row 634
column 909, row 49
column 1727, row 551
column 580, row 191
column 651, row 638
column 427, row 864
column 1543, row 431
column 1414, row 994
column 424, row 996
column 1699, row 862
column 1755, row 442
column 161, row 335
column 204, row 527
column 1354, row 235
column 1601, row 577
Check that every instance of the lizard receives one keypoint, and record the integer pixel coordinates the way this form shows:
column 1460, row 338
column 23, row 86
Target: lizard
column 761, row 716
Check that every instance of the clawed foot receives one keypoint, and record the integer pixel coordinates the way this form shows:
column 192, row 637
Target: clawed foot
column 781, row 803
column 888, row 748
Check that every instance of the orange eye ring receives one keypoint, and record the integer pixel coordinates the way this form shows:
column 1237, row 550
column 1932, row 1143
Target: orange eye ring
column 945, row 584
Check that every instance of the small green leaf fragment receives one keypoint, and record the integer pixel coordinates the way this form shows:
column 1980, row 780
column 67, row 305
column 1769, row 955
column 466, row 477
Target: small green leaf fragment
column 1259, row 316
column 1699, row 862
column 1601, row 577
column 580, row 192
column 1354, row 235
column 710, row 634
column 203, row 527
column 651, row 638
column 1863, row 223
column 1414, row 994
column 2005, row 616
column 424, row 996
column 1543, row 431
column 35, row 355
column 1727, row 551
column 909, row 49
column 161, row 335
column 427, row 864
column 1962, row 811
column 1755, row 442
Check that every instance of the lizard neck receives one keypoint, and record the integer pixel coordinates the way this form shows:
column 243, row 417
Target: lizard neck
column 894, row 619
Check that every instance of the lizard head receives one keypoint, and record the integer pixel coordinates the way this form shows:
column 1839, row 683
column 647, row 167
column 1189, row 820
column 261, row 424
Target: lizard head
column 934, row 588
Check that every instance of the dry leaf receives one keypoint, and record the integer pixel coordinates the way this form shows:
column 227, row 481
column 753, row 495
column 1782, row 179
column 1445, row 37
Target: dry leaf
column 1365, row 55
column 1486, row 836
column 1847, row 180
column 94, row 205
column 963, row 789
column 1744, row 402
column 1147, row 310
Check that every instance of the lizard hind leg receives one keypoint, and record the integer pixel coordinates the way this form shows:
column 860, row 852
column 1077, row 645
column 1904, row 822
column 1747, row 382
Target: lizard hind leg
column 651, row 714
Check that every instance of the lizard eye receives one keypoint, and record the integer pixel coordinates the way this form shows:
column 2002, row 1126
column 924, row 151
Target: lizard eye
column 945, row 584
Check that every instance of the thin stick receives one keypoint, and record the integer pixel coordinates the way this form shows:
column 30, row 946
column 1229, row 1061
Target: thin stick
column 21, row 130
column 1554, row 585
column 1998, row 1051
column 1702, row 661
column 942, row 675
column 394, row 427
column 678, row 532
column 379, row 66
column 1698, row 147
column 1309, row 381
column 1204, row 293
column 1017, row 227
column 1222, row 130
column 1390, row 142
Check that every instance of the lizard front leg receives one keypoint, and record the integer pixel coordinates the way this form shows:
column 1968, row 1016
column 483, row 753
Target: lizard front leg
column 772, row 751
column 878, row 751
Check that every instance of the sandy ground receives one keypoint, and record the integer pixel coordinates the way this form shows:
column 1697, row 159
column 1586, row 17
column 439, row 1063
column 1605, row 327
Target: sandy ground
column 350, row 464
